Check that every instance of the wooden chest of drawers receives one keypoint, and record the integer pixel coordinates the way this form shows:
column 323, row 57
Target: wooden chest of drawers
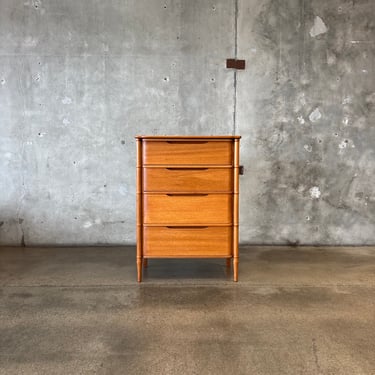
column 187, row 198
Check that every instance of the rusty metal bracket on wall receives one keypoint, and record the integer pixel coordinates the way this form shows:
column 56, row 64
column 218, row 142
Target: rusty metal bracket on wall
column 236, row 64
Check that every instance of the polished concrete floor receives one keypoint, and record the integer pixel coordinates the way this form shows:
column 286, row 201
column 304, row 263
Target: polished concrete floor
column 294, row 311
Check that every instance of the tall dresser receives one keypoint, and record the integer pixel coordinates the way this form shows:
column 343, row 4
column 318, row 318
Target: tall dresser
column 187, row 198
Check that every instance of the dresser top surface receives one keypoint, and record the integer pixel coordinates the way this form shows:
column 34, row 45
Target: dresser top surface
column 182, row 137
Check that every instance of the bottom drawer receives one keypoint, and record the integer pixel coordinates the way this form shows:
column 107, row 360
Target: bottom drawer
column 178, row 241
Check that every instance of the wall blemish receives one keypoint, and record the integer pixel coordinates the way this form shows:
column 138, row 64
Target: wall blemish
column 301, row 120
column 87, row 224
column 315, row 115
column 66, row 100
column 315, row 192
column 318, row 28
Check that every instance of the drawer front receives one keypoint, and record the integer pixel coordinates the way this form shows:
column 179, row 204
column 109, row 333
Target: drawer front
column 187, row 242
column 188, row 179
column 187, row 209
column 187, row 152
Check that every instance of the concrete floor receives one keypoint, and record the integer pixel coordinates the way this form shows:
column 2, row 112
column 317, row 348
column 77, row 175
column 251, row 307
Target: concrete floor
column 294, row 311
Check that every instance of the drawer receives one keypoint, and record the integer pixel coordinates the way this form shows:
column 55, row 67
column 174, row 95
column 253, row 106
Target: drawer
column 187, row 242
column 187, row 152
column 187, row 208
column 179, row 179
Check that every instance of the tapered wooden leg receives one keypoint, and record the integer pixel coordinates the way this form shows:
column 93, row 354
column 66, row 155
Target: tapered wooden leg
column 145, row 262
column 229, row 262
column 139, row 269
column 235, row 269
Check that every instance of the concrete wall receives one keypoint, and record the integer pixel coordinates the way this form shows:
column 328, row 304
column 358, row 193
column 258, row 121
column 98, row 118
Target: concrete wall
column 78, row 79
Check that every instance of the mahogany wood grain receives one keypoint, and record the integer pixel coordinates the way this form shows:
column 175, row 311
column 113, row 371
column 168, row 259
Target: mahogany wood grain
column 174, row 208
column 186, row 137
column 139, row 204
column 236, row 208
column 188, row 179
column 187, row 242
column 190, row 152
column 187, row 198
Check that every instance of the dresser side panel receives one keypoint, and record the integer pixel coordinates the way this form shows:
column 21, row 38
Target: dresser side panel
column 139, row 208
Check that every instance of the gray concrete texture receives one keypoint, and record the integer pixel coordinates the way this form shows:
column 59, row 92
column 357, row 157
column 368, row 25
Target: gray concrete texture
column 79, row 79
column 81, row 311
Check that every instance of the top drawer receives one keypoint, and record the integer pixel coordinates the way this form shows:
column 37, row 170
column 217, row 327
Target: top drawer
column 186, row 151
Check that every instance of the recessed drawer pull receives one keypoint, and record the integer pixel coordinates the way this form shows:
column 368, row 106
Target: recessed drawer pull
column 187, row 142
column 186, row 169
column 186, row 195
column 187, row 227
